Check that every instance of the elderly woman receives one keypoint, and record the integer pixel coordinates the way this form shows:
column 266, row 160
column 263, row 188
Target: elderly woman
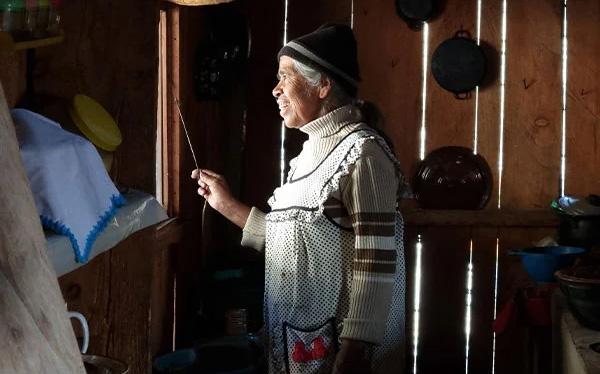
column 334, row 269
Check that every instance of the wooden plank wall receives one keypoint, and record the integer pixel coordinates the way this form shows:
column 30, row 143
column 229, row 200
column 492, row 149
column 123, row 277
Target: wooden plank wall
column 12, row 76
column 391, row 68
column 109, row 53
column 126, row 294
column 263, row 124
column 583, row 115
column 390, row 58
column 387, row 48
column 532, row 128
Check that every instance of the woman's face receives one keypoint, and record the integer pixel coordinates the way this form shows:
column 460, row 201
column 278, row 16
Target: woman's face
column 299, row 102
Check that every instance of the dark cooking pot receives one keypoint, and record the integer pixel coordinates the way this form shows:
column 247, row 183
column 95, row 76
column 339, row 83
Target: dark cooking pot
column 459, row 64
column 579, row 220
column 581, row 231
column 453, row 178
column 581, row 286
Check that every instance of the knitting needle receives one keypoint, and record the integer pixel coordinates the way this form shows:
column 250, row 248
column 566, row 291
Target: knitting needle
column 187, row 136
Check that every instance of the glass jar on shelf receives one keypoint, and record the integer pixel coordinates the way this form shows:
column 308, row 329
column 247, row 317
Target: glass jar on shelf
column 54, row 17
column 12, row 18
column 41, row 24
column 31, row 8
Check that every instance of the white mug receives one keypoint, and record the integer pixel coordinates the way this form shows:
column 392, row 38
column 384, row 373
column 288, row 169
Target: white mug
column 84, row 327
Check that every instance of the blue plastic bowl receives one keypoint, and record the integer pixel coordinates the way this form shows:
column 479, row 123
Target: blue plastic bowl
column 541, row 262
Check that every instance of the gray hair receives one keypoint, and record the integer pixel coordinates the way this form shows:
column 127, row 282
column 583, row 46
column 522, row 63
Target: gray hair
column 337, row 96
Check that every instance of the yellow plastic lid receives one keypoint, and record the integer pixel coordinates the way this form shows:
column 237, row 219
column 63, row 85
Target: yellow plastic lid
column 95, row 123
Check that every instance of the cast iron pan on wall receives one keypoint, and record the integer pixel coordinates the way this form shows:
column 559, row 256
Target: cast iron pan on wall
column 415, row 12
column 458, row 65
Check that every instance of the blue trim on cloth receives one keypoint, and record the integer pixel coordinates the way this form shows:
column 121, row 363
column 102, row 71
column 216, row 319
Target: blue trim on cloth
column 60, row 228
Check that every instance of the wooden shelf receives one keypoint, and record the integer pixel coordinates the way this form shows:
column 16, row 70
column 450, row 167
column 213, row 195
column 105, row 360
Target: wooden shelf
column 487, row 217
column 199, row 2
column 7, row 43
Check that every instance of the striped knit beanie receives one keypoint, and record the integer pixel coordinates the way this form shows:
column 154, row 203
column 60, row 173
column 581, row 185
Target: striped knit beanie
column 330, row 49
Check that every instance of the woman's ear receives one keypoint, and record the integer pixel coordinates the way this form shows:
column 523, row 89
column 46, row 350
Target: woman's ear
column 325, row 88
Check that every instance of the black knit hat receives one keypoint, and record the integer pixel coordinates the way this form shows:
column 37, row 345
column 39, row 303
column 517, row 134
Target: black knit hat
column 330, row 49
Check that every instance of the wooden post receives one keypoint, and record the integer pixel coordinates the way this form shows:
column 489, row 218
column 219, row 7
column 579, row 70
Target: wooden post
column 35, row 334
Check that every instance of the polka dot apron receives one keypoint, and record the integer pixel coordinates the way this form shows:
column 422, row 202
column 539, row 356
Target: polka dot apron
column 308, row 271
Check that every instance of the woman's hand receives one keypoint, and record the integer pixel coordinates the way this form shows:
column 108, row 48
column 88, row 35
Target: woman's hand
column 354, row 357
column 215, row 190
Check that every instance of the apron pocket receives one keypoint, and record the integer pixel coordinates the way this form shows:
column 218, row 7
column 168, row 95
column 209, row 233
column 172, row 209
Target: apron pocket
column 310, row 350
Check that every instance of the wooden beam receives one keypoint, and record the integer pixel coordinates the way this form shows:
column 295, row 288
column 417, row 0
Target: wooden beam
column 35, row 334
column 173, row 133
column 481, row 218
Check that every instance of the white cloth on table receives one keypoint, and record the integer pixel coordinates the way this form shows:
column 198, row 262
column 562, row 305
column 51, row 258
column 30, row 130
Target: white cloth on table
column 72, row 190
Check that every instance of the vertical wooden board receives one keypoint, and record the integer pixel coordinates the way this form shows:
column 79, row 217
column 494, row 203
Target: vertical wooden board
column 263, row 124
column 512, row 354
column 444, row 262
column 214, row 126
column 305, row 16
column 216, row 131
column 390, row 57
column 488, row 114
column 130, row 302
column 173, row 133
column 513, row 345
column 482, row 305
column 190, row 263
column 87, row 290
column 162, row 291
column 533, row 116
column 189, row 28
column 199, row 116
column 12, row 76
column 410, row 252
column 583, row 102
column 449, row 121
column 110, row 53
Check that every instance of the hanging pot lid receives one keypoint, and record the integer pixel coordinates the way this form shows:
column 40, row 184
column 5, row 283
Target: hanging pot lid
column 95, row 122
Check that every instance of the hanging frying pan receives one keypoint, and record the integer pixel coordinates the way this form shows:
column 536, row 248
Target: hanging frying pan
column 415, row 12
column 459, row 64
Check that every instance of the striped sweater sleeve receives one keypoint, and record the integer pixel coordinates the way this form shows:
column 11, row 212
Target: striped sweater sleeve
column 370, row 198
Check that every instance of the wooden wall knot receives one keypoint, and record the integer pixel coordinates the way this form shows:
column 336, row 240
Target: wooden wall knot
column 73, row 292
column 542, row 133
column 541, row 122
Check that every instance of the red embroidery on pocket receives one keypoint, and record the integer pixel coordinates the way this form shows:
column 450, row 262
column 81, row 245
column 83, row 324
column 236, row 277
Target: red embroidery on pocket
column 318, row 350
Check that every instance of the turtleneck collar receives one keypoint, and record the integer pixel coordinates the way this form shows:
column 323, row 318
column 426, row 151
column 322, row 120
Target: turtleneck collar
column 331, row 122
